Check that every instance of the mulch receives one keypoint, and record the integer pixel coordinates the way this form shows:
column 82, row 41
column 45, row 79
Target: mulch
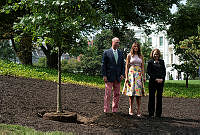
column 22, row 99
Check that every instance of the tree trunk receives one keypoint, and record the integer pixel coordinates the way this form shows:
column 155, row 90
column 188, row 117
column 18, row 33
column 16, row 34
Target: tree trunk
column 179, row 74
column 52, row 57
column 59, row 105
column 186, row 80
column 24, row 49
column 52, row 60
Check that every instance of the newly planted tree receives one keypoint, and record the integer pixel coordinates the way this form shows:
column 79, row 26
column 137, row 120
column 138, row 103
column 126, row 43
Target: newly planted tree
column 60, row 23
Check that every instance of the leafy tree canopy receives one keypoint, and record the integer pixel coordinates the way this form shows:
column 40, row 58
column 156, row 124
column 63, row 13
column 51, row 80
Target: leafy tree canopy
column 191, row 46
column 67, row 20
column 137, row 12
column 8, row 17
column 184, row 30
column 185, row 22
column 184, row 33
column 48, row 17
column 61, row 22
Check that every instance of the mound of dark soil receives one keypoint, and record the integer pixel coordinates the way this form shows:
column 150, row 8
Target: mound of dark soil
column 23, row 101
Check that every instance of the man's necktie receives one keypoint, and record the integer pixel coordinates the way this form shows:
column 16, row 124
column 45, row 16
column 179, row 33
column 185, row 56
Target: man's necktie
column 116, row 55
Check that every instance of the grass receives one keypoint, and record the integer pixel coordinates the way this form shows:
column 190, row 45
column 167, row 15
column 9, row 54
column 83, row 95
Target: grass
column 13, row 69
column 173, row 88
column 20, row 130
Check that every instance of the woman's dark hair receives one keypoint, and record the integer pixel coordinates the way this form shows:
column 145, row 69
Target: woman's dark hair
column 132, row 51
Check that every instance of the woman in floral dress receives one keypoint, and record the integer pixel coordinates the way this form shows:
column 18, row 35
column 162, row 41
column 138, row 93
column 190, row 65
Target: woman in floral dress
column 135, row 77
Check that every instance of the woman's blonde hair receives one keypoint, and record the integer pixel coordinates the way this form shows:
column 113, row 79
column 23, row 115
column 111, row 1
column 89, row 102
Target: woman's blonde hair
column 155, row 50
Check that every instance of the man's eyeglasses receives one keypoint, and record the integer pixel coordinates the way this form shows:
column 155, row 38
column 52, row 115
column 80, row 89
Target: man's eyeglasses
column 117, row 42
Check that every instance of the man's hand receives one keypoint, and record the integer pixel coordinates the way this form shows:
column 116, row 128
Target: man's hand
column 105, row 79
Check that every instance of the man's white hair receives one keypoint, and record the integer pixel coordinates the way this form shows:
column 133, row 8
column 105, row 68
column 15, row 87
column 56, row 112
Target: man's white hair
column 115, row 38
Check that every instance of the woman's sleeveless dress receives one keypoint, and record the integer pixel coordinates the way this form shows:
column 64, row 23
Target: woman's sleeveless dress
column 135, row 87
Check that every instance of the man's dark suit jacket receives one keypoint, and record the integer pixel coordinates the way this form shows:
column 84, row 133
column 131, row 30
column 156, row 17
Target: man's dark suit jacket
column 110, row 68
column 156, row 70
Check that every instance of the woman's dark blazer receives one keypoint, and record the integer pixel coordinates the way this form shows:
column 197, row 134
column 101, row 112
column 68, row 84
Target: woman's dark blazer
column 110, row 68
column 156, row 70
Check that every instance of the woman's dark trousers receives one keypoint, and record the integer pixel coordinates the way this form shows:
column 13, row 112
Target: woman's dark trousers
column 155, row 87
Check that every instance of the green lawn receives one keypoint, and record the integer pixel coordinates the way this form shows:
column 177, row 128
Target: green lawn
column 183, row 82
column 176, row 88
column 173, row 88
column 20, row 130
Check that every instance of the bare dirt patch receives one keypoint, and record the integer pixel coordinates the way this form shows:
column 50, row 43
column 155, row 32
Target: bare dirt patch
column 23, row 101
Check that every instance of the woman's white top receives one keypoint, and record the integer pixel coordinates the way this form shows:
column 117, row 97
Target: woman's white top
column 135, row 60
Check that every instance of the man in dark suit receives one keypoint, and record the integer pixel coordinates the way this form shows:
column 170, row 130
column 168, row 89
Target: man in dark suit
column 113, row 70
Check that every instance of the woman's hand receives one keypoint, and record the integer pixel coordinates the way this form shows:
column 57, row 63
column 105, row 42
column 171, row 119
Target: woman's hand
column 126, row 80
column 159, row 80
column 144, row 79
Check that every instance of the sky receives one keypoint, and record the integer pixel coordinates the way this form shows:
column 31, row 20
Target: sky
column 174, row 7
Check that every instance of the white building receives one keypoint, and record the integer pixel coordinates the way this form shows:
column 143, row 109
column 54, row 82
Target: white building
column 159, row 40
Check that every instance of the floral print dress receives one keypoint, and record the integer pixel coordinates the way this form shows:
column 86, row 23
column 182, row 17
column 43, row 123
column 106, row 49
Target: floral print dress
column 135, row 86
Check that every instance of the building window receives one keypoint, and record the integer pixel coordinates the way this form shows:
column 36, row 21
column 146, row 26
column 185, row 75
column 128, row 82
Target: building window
column 161, row 55
column 161, row 41
column 150, row 41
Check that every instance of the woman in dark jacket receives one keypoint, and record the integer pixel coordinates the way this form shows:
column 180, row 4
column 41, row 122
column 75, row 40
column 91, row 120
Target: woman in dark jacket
column 157, row 71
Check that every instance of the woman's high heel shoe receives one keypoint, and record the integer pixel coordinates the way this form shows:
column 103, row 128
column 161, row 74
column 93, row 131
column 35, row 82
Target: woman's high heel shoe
column 130, row 113
column 139, row 114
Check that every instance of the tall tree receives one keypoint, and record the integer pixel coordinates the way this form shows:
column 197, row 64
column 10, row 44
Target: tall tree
column 23, row 46
column 183, row 32
column 191, row 46
column 184, row 23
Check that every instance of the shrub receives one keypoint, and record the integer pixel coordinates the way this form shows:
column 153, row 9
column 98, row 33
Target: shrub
column 91, row 62
column 42, row 62
column 71, row 65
